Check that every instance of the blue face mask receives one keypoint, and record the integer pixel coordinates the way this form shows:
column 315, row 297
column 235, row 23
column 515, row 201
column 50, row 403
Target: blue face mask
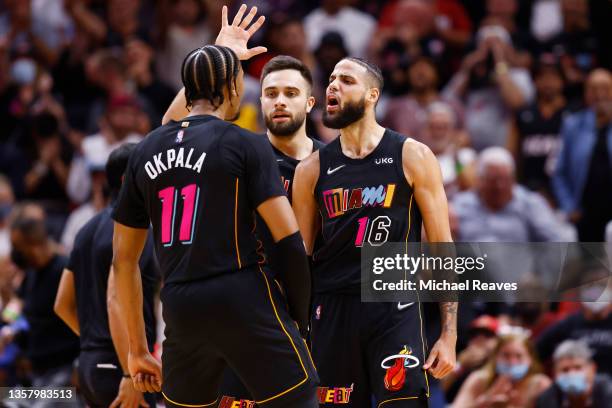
column 574, row 383
column 514, row 371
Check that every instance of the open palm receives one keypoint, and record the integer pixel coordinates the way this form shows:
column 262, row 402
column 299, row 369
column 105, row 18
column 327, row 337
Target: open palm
column 237, row 35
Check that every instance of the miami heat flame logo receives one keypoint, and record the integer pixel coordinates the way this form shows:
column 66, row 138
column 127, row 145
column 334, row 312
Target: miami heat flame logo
column 396, row 366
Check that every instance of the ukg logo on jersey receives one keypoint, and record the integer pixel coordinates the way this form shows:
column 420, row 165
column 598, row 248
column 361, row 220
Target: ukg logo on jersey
column 340, row 200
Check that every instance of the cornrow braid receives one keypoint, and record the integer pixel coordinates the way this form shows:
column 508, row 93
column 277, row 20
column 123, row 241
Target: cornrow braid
column 206, row 71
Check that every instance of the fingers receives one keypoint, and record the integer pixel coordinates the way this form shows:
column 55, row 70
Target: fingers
column 249, row 17
column 224, row 22
column 137, row 380
column 440, row 368
column 256, row 51
column 431, row 359
column 238, row 16
column 256, row 25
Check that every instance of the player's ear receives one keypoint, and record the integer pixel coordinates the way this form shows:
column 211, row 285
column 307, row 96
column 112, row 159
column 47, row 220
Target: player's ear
column 310, row 103
column 373, row 95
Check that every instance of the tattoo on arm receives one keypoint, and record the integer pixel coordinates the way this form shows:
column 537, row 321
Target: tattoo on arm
column 448, row 312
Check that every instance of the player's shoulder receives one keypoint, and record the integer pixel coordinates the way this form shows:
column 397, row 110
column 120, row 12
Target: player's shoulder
column 415, row 152
column 309, row 167
column 87, row 231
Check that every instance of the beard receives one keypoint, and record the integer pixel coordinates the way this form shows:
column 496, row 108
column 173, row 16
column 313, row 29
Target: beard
column 287, row 128
column 349, row 114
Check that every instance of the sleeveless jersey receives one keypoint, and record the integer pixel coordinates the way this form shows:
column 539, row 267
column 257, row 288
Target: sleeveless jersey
column 364, row 201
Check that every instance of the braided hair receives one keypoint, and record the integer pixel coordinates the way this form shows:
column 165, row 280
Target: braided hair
column 206, row 71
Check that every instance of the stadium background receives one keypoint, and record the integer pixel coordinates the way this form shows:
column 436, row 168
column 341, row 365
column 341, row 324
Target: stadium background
column 80, row 77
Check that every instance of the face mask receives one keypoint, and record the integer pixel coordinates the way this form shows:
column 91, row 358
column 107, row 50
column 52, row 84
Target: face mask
column 514, row 371
column 574, row 383
column 23, row 71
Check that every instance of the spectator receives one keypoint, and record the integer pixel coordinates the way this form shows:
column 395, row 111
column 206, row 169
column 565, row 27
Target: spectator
column 575, row 46
column 492, row 85
column 445, row 140
column 184, row 29
column 121, row 124
column 48, row 174
column 481, row 345
column 51, row 346
column 128, row 19
column 511, row 378
column 28, row 35
column 7, row 201
column 499, row 210
column 592, row 324
column 138, row 60
column 583, row 178
column 98, row 199
column 577, row 383
column 408, row 114
column 333, row 15
column 546, row 19
column 534, row 139
column 452, row 24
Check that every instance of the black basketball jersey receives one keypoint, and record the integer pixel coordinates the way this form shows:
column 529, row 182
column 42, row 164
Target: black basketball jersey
column 362, row 202
column 539, row 144
column 286, row 166
column 198, row 183
column 90, row 262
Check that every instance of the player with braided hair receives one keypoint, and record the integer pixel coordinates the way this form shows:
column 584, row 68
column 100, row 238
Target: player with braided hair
column 198, row 181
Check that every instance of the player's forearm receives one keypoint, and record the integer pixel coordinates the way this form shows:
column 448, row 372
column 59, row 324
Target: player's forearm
column 448, row 318
column 129, row 296
column 118, row 331
column 177, row 109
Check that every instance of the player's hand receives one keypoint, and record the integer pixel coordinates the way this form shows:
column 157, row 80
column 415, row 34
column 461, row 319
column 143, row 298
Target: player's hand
column 128, row 396
column 442, row 359
column 237, row 35
column 145, row 371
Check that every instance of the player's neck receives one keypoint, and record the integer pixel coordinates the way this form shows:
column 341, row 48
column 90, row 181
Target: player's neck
column 298, row 146
column 360, row 138
column 202, row 107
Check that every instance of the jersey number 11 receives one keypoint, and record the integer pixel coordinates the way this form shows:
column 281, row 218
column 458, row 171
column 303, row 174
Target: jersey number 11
column 168, row 197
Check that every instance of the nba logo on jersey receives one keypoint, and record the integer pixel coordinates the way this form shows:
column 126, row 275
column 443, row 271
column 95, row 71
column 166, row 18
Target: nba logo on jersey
column 179, row 136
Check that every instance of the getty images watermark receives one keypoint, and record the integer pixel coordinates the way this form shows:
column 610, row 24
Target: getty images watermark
column 486, row 271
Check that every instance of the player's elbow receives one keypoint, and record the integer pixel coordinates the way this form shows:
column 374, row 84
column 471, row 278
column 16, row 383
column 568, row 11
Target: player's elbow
column 61, row 307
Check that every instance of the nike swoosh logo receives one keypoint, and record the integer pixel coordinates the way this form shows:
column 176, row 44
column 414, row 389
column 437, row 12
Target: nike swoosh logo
column 279, row 160
column 403, row 306
column 332, row 171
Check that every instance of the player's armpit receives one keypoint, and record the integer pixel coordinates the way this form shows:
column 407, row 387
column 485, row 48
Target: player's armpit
column 304, row 202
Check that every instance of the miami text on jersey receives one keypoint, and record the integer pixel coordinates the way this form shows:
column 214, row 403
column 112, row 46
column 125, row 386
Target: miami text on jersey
column 339, row 200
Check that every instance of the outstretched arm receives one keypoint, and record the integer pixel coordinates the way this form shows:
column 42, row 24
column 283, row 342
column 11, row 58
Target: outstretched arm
column 235, row 36
column 423, row 173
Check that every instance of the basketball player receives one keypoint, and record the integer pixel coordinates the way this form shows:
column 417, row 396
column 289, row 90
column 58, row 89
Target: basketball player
column 198, row 182
column 81, row 302
column 392, row 183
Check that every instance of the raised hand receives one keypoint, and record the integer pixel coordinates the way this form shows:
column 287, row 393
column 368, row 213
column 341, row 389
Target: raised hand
column 237, row 35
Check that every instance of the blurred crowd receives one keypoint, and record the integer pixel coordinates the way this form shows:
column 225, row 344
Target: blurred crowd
column 514, row 97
